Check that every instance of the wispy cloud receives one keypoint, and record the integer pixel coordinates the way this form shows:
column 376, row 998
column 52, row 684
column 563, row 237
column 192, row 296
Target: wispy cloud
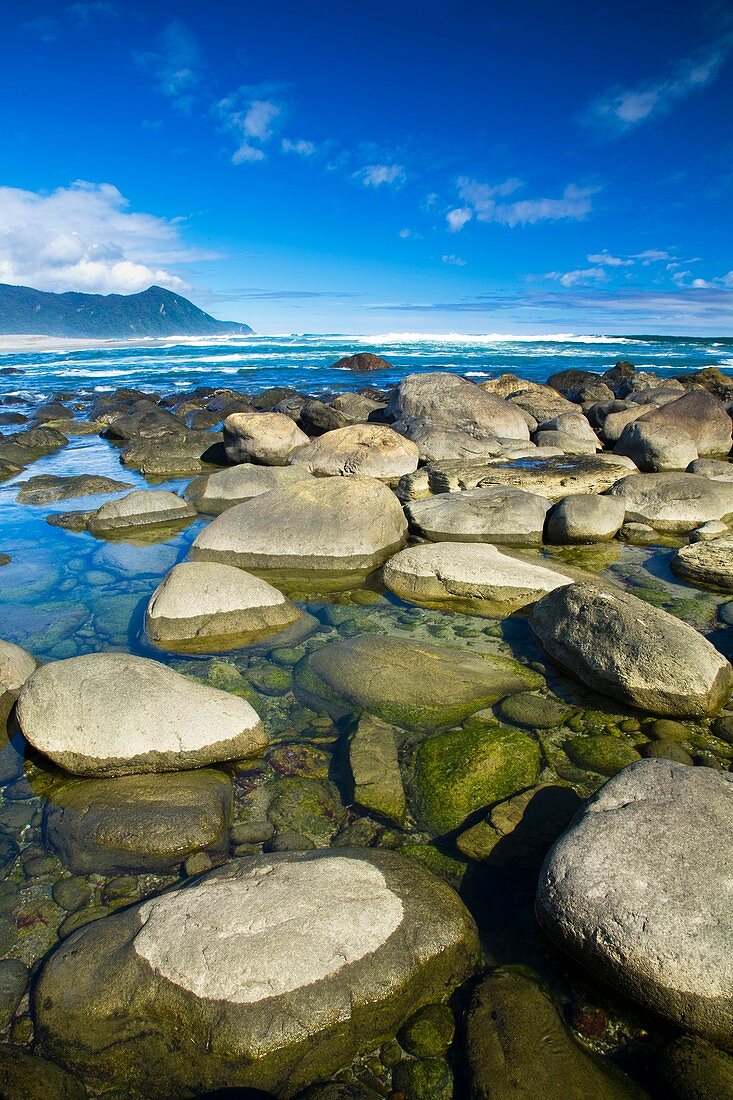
column 454, row 261
column 85, row 237
column 43, row 27
column 482, row 201
column 251, row 115
column 256, row 294
column 90, row 12
column 301, row 147
column 585, row 276
column 379, row 175
column 174, row 63
column 622, row 109
column 606, row 259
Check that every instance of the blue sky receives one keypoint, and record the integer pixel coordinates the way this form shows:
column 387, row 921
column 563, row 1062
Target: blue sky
column 411, row 166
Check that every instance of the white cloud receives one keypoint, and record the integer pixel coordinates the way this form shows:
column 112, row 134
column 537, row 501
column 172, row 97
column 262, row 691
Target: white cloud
column 302, row 148
column 586, row 276
column 652, row 255
column 622, row 109
column 85, row 237
column 174, row 63
column 481, row 200
column 257, row 120
column 458, row 217
column 455, row 261
column 605, row 259
column 252, row 119
column 376, row 175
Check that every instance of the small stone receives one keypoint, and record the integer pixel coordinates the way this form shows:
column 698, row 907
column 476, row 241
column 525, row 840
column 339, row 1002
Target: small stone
column 605, row 755
column 664, row 729
column 424, row 1079
column 198, row 863
column 288, row 842
column 429, row 1032
column 251, row 832
column 667, row 750
column 534, row 711
column 14, row 976
column 72, row 893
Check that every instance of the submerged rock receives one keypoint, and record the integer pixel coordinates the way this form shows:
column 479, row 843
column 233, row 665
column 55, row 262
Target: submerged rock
column 375, row 769
column 214, row 493
column 116, row 714
column 495, row 514
column 638, row 891
column 214, row 606
column 619, row 645
column 321, row 526
column 47, row 488
column 143, row 508
column 519, row 1048
column 691, row 1069
column 411, row 684
column 278, row 969
column 473, row 573
column 362, row 361
column 706, row 563
column 369, row 450
column 138, row 823
column 32, row 1078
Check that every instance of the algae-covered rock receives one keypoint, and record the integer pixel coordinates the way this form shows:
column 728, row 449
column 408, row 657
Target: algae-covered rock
column 376, row 771
column 138, row 823
column 519, row 1049
column 534, row 711
column 429, row 1032
column 270, row 972
column 308, row 807
column 518, row 833
column 409, row 683
column 460, row 772
column 424, row 1079
column 691, row 1069
column 25, row 1076
column 605, row 755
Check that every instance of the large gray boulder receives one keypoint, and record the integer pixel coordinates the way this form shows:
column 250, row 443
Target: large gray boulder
column 372, row 450
column 209, row 606
column 214, row 493
column 138, row 823
column 436, row 443
column 676, row 503
column 322, row 526
column 638, row 890
column 476, row 575
column 116, row 714
column 497, row 513
column 551, row 477
column 268, row 973
column 621, row 646
column 654, row 447
column 709, row 564
column 15, row 667
column 266, row 438
column 142, row 508
column 717, row 469
column 411, row 684
column 583, row 518
column 447, row 401
column 702, row 416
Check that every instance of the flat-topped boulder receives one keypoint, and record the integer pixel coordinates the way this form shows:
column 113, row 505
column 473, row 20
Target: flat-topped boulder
column 496, row 513
column 621, row 646
column 672, row 502
column 476, row 575
column 638, row 891
column 193, row 452
column 707, row 563
column 323, row 526
column 138, row 823
column 550, row 477
column 371, row 450
column 143, row 508
column 48, row 488
column 278, row 970
column 412, row 684
column 116, row 714
column 267, row 438
column 211, row 606
column 445, row 400
column 214, row 493
column 583, row 518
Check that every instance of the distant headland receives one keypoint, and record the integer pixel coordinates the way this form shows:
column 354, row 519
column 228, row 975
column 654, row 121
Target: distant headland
column 154, row 312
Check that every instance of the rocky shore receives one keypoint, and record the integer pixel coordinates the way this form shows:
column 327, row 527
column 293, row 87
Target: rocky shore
column 395, row 759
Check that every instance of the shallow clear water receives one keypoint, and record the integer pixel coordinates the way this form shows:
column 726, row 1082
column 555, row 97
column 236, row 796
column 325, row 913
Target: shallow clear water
column 67, row 593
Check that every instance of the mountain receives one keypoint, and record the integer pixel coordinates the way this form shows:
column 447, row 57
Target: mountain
column 153, row 312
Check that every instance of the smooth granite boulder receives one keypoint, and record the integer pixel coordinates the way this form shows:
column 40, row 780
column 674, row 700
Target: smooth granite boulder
column 654, row 447
column 584, row 517
column 344, row 525
column 436, row 443
column 519, row 1048
column 672, row 502
column 15, row 667
column 447, row 401
column 116, row 714
column 266, row 438
column 142, row 508
column 700, row 415
column 371, row 450
column 706, row 563
column 476, row 575
column 210, row 606
column 638, row 891
column 717, row 469
column 412, row 684
column 138, row 823
column 214, row 493
column 621, row 646
column 270, row 972
column 552, row 477
column 497, row 514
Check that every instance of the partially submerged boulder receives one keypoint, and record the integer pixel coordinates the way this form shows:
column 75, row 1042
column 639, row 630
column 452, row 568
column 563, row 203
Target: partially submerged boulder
column 638, row 891
column 620, row 646
column 496, row 514
column 583, row 518
column 214, row 493
column 142, row 508
column 116, row 714
column 278, row 970
column 706, row 563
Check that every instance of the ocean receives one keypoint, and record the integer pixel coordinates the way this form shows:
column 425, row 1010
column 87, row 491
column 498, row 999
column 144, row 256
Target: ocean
column 305, row 362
